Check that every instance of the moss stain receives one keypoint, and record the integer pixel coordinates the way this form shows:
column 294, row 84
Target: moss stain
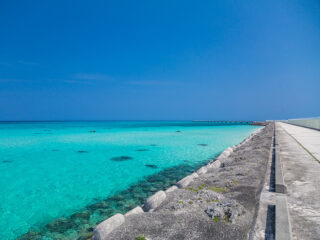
column 141, row 237
column 216, row 219
column 217, row 189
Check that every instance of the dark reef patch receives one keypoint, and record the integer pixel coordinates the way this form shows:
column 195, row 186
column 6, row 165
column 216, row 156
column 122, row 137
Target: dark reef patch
column 121, row 158
column 151, row 166
column 187, row 161
column 6, row 161
column 61, row 225
column 153, row 145
column 202, row 144
column 142, row 150
column 82, row 151
column 81, row 215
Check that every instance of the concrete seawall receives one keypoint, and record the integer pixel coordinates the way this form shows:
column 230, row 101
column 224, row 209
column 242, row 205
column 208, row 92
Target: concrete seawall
column 313, row 123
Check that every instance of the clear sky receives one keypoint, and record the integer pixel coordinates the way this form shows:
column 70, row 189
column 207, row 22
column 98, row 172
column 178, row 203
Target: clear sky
column 158, row 60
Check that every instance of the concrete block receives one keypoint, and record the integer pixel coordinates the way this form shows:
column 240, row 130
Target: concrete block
column 106, row 227
column 194, row 175
column 202, row 170
column 221, row 157
column 154, row 201
column 283, row 225
column 225, row 154
column 185, row 182
column 215, row 164
column 171, row 189
column 136, row 210
column 229, row 149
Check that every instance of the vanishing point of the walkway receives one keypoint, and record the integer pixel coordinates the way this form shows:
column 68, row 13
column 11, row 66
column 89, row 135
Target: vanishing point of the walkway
column 300, row 155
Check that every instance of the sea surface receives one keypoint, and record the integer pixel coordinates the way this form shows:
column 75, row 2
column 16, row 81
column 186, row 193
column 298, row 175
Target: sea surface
column 59, row 179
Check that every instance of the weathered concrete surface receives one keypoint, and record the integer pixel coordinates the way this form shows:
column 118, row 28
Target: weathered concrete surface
column 265, row 222
column 302, row 177
column 102, row 231
column 171, row 189
column 308, row 138
column 183, row 213
column 185, row 181
column 136, row 210
column 283, row 225
column 280, row 184
column 154, row 201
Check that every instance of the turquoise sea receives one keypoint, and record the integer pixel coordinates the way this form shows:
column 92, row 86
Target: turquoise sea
column 59, row 179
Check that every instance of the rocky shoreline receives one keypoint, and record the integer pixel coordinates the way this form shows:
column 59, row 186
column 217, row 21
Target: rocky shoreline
column 217, row 201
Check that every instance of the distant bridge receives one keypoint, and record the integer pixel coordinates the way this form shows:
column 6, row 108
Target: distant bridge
column 228, row 122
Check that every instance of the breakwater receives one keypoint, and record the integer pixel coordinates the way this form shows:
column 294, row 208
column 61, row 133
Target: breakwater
column 112, row 227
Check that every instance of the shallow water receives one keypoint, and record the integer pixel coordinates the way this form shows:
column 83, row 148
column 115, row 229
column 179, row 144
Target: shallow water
column 59, row 179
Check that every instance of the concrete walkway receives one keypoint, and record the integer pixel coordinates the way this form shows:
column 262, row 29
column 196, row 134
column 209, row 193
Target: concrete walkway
column 308, row 138
column 299, row 150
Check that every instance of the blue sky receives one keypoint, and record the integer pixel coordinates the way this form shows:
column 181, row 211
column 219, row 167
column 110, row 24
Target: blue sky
column 158, row 60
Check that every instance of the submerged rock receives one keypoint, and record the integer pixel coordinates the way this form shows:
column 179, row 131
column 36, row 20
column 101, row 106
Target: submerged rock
column 203, row 144
column 187, row 161
column 95, row 206
column 228, row 210
column 82, row 151
column 142, row 150
column 121, row 158
column 153, row 145
column 30, row 235
column 85, row 236
column 93, row 131
column 60, row 225
column 117, row 197
column 80, row 215
column 151, row 166
column 6, row 161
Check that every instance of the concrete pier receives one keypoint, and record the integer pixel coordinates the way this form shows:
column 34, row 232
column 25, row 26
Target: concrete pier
column 228, row 122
